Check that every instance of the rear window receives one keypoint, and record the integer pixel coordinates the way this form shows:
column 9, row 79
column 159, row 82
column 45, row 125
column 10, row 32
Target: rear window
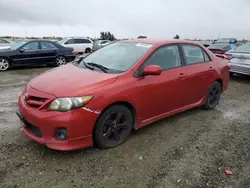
column 243, row 48
column 223, row 41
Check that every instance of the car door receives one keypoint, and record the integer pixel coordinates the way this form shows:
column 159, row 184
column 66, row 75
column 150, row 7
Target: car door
column 28, row 54
column 79, row 45
column 163, row 93
column 48, row 52
column 201, row 72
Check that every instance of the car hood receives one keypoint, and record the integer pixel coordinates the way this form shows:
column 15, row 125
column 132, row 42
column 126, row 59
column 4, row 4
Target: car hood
column 218, row 46
column 69, row 80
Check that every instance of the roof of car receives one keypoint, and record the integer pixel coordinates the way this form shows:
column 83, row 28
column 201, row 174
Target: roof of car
column 158, row 41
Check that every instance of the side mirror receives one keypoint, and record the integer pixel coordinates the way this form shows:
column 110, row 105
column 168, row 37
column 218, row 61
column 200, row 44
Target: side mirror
column 22, row 50
column 152, row 70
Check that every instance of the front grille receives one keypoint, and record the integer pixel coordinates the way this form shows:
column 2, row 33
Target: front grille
column 32, row 129
column 34, row 101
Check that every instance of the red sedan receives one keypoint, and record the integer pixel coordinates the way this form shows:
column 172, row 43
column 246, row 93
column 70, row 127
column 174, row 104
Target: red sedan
column 123, row 86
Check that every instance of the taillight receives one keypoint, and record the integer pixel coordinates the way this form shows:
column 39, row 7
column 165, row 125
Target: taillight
column 73, row 51
column 228, row 56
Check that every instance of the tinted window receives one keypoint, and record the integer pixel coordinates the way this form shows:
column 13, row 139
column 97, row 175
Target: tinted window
column 47, row 45
column 223, row 40
column 70, row 41
column 166, row 57
column 81, row 41
column 194, row 54
column 31, row 46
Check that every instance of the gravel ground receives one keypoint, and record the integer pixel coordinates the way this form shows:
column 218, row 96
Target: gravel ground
column 189, row 150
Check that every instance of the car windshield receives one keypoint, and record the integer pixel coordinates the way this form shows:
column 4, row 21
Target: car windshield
column 243, row 48
column 222, row 41
column 17, row 45
column 117, row 57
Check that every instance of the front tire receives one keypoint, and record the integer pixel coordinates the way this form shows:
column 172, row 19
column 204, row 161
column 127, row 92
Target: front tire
column 4, row 64
column 113, row 127
column 213, row 96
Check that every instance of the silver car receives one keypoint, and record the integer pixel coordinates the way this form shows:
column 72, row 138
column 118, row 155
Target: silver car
column 239, row 59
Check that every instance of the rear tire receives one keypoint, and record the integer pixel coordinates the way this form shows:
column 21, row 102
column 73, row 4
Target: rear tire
column 113, row 127
column 88, row 50
column 4, row 64
column 213, row 96
column 60, row 60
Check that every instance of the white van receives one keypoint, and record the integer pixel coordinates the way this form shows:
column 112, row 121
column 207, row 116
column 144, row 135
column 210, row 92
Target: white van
column 80, row 45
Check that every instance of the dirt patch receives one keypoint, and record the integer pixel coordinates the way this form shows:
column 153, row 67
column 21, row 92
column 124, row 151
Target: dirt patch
column 188, row 150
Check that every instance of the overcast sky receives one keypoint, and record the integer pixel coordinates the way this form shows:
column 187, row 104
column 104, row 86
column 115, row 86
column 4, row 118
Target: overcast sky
column 126, row 18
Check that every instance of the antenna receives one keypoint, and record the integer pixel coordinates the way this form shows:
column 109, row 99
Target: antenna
column 219, row 35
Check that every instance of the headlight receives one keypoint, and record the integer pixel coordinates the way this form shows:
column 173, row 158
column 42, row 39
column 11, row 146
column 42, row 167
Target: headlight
column 69, row 103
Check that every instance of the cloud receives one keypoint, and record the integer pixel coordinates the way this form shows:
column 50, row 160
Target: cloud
column 127, row 18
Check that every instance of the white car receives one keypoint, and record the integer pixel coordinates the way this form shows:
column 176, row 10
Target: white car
column 80, row 45
column 5, row 43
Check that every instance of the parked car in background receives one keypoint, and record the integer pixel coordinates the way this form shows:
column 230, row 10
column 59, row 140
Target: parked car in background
column 80, row 45
column 220, row 46
column 239, row 59
column 123, row 86
column 35, row 52
column 5, row 43
column 99, row 44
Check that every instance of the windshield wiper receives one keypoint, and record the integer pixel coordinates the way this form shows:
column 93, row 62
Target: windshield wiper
column 104, row 69
column 86, row 65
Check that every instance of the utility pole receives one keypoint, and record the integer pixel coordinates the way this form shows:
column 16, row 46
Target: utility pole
column 25, row 32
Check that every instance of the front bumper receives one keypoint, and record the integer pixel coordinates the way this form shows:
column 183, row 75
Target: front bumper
column 79, row 124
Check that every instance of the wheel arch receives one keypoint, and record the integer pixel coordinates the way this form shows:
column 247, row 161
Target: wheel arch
column 126, row 104
column 6, row 57
column 220, row 81
column 87, row 49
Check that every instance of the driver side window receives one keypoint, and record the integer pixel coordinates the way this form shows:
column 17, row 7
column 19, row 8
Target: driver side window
column 31, row 46
column 166, row 57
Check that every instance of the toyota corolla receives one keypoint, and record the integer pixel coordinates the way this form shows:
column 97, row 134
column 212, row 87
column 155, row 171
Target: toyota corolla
column 119, row 88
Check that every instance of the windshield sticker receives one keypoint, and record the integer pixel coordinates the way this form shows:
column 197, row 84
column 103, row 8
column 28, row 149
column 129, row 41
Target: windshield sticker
column 144, row 45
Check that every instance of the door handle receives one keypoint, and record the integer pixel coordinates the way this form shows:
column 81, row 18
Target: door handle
column 210, row 69
column 182, row 75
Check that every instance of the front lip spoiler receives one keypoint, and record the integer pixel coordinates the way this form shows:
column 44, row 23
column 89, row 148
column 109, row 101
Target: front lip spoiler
column 19, row 115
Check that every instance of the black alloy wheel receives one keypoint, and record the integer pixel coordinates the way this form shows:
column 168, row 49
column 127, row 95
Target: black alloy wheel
column 113, row 127
column 213, row 96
